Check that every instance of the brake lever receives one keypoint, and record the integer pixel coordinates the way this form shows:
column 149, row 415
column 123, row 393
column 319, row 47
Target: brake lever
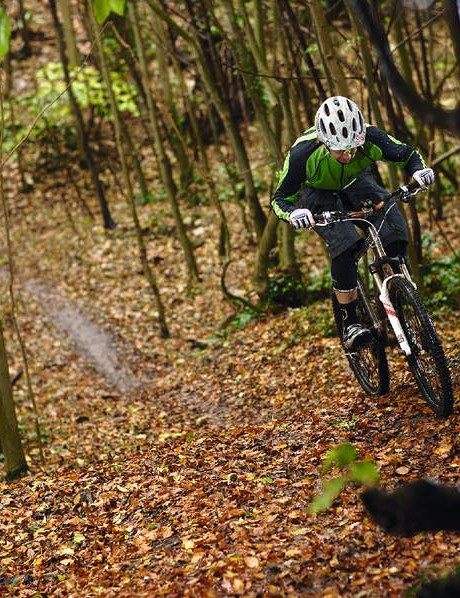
column 406, row 192
column 329, row 218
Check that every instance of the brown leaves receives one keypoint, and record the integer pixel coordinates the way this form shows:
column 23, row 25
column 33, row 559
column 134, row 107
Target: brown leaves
column 202, row 487
column 198, row 483
column 222, row 513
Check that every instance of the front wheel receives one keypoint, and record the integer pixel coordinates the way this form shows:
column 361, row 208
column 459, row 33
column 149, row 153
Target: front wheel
column 427, row 361
column 368, row 363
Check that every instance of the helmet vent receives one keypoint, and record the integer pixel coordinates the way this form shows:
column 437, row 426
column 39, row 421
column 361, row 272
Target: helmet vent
column 340, row 124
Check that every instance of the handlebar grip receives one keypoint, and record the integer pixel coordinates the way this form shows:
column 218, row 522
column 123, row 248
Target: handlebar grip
column 412, row 186
column 406, row 189
column 328, row 217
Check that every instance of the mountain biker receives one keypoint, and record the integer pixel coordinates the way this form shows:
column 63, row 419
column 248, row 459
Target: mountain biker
column 328, row 168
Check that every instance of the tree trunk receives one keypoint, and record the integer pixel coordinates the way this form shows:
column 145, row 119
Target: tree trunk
column 337, row 82
column 453, row 20
column 164, row 163
column 170, row 101
column 69, row 34
column 164, row 332
column 10, row 440
column 82, row 136
column 264, row 247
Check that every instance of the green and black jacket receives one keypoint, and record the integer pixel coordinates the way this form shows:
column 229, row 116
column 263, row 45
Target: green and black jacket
column 309, row 164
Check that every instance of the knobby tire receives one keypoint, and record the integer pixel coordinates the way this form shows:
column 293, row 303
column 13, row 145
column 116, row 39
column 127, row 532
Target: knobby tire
column 369, row 363
column 427, row 362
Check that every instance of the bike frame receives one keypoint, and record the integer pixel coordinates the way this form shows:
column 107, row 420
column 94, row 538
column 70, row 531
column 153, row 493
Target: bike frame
column 392, row 287
column 374, row 243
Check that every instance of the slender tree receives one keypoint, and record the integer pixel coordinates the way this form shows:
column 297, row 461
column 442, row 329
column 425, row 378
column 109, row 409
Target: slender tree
column 432, row 114
column 210, row 71
column 81, row 133
column 69, row 33
column 10, row 440
column 334, row 72
column 164, row 331
column 164, row 163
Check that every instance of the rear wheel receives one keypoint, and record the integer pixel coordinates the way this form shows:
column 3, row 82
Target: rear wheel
column 368, row 363
column 427, row 361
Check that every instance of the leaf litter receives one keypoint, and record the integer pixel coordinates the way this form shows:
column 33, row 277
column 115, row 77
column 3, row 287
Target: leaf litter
column 185, row 467
column 196, row 481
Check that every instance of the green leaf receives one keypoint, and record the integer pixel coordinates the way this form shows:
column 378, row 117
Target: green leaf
column 118, row 6
column 78, row 538
column 331, row 489
column 5, row 32
column 340, row 456
column 365, row 472
column 267, row 480
column 102, row 9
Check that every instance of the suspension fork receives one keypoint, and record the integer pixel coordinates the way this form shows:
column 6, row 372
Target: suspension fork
column 384, row 294
column 392, row 316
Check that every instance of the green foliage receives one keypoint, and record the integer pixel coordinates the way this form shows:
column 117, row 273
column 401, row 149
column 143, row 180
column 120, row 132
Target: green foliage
column 330, row 490
column 319, row 285
column 344, row 458
column 441, row 275
column 316, row 319
column 312, row 49
column 155, row 195
column 243, row 318
column 143, row 200
column 341, row 456
column 102, row 8
column 286, row 290
column 346, row 423
column 89, row 91
column 87, row 87
column 5, row 32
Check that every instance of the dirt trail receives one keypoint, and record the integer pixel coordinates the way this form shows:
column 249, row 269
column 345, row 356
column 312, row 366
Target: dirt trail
column 88, row 339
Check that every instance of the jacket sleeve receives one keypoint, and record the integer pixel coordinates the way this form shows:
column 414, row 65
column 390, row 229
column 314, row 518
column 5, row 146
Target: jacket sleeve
column 403, row 155
column 291, row 181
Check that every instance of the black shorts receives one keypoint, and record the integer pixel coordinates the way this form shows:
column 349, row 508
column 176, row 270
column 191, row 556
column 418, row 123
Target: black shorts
column 344, row 235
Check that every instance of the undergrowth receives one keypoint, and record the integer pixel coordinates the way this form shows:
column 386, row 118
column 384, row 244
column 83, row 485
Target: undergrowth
column 440, row 275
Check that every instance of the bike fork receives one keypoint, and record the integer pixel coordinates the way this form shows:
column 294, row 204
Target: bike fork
column 392, row 316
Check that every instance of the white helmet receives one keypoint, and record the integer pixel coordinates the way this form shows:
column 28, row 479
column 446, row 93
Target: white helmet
column 339, row 124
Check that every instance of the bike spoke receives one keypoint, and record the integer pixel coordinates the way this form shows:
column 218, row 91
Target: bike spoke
column 368, row 363
column 421, row 349
column 367, row 360
column 427, row 360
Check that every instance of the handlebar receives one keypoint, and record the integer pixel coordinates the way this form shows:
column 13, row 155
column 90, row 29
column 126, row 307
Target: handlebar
column 405, row 192
column 402, row 193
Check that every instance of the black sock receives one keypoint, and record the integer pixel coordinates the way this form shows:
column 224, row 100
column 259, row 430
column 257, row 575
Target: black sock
column 348, row 311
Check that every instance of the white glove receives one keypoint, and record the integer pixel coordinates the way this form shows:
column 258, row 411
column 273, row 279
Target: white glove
column 302, row 218
column 423, row 177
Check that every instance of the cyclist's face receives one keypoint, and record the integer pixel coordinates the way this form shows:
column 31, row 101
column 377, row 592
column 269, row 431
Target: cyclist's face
column 344, row 156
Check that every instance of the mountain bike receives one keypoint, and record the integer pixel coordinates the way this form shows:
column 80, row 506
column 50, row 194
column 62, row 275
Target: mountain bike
column 390, row 306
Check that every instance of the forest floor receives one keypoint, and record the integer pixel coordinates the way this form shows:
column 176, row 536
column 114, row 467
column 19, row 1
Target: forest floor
column 185, row 466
